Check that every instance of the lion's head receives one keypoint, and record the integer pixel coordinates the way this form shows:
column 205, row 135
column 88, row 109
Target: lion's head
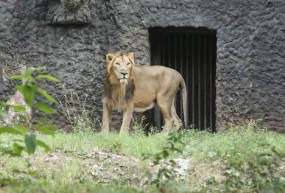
column 120, row 67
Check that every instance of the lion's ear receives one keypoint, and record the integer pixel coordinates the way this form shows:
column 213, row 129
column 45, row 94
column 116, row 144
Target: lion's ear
column 109, row 57
column 131, row 57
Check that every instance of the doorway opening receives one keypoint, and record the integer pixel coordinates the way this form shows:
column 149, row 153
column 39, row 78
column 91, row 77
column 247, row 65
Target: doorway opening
column 192, row 52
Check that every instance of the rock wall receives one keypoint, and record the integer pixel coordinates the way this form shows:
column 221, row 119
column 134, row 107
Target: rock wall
column 71, row 40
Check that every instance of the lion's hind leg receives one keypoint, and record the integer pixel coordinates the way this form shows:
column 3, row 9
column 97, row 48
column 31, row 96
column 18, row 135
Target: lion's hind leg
column 165, row 108
column 177, row 120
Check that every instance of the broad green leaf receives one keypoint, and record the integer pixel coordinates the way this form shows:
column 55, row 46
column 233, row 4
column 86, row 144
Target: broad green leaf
column 24, row 118
column 47, row 123
column 18, row 76
column 29, row 94
column 4, row 103
column 31, row 142
column 43, row 145
column 30, row 71
column 44, row 130
column 17, row 149
column 39, row 69
column 10, row 130
column 8, row 152
column 44, row 107
column 22, row 128
column 19, row 108
column 49, row 77
column 46, row 95
column 165, row 154
column 20, row 88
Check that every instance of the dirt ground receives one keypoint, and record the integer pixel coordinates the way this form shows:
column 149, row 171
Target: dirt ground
column 110, row 168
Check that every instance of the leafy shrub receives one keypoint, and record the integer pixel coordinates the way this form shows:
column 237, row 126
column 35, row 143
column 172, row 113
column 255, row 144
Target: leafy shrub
column 29, row 123
column 250, row 160
column 263, row 172
column 166, row 170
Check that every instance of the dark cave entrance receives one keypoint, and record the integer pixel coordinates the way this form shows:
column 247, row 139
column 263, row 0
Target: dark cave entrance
column 192, row 52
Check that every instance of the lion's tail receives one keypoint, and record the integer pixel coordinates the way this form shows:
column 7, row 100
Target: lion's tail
column 184, row 101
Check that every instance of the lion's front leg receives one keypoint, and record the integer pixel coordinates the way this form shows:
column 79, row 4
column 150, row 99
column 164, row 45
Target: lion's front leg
column 127, row 115
column 107, row 113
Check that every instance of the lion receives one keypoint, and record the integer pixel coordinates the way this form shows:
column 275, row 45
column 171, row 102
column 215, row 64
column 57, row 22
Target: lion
column 129, row 87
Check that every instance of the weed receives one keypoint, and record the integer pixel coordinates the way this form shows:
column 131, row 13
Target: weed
column 78, row 116
column 263, row 172
column 139, row 127
column 249, row 160
column 165, row 173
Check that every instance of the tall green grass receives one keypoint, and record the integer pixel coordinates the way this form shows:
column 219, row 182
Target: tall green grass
column 83, row 142
column 236, row 142
column 210, row 155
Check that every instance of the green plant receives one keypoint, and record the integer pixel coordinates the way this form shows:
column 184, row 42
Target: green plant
column 139, row 127
column 263, row 172
column 79, row 157
column 166, row 172
column 28, row 123
column 79, row 119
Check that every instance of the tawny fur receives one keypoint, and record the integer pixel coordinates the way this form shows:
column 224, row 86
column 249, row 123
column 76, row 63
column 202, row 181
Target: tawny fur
column 129, row 87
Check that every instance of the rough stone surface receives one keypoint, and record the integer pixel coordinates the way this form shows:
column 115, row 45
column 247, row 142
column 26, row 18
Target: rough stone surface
column 70, row 12
column 250, row 79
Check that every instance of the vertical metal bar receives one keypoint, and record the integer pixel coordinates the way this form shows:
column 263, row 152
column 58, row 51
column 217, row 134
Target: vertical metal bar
column 159, row 54
column 210, row 81
column 199, row 81
column 169, row 51
column 158, row 45
column 162, row 44
column 205, row 83
column 187, row 75
column 193, row 81
column 214, row 56
column 182, row 72
column 174, row 51
column 213, row 81
column 176, row 63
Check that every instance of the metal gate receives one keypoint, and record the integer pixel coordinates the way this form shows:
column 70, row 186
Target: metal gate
column 192, row 52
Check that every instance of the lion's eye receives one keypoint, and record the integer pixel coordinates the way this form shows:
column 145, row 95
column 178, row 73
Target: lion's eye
column 128, row 63
column 117, row 63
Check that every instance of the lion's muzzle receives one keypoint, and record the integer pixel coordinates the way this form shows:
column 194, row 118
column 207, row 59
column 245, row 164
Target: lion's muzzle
column 123, row 79
column 124, row 74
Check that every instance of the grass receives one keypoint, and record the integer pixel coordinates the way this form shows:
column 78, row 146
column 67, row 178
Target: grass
column 86, row 161
column 83, row 142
